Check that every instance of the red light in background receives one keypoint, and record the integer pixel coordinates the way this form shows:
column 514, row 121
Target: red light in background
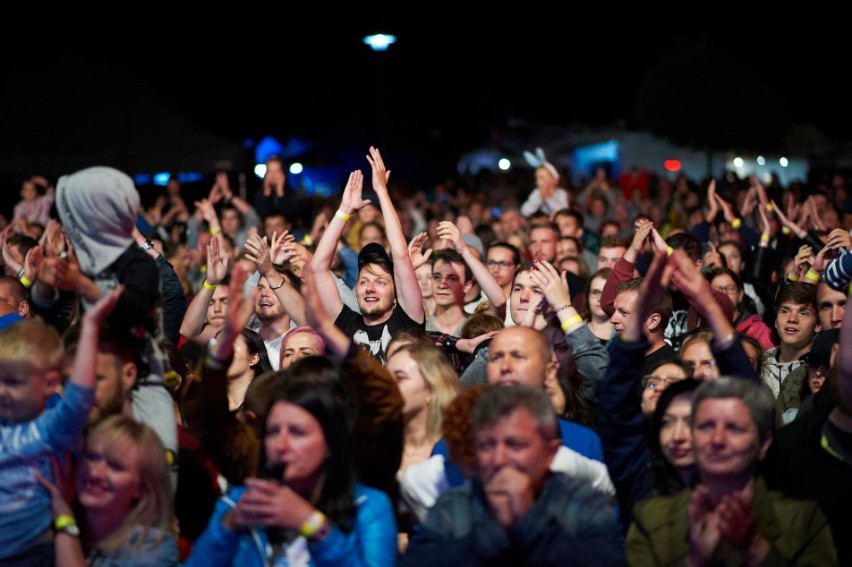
column 672, row 165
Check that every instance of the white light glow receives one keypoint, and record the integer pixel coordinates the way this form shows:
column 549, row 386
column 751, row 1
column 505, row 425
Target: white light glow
column 504, row 164
column 761, row 160
column 260, row 170
column 738, row 162
column 379, row 41
column 784, row 162
column 296, row 168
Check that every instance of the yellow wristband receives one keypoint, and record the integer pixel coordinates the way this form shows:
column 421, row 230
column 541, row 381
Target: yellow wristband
column 215, row 230
column 26, row 281
column 341, row 215
column 769, row 207
column 792, row 278
column 669, row 250
column 62, row 522
column 570, row 321
column 736, row 223
column 764, row 237
column 315, row 522
column 208, row 285
column 812, row 275
column 786, row 229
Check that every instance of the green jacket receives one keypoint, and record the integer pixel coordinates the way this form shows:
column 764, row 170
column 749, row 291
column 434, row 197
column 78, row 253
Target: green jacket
column 796, row 530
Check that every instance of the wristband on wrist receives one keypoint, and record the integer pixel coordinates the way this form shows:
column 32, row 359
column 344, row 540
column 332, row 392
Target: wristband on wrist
column 283, row 280
column 342, row 216
column 669, row 250
column 769, row 207
column 215, row 230
column 315, row 527
column 736, row 223
column 66, row 524
column 570, row 321
column 786, row 230
column 812, row 275
column 564, row 307
column 764, row 237
column 792, row 278
column 26, row 281
column 209, row 286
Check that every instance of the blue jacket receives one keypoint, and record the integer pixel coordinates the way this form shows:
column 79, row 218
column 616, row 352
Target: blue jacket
column 372, row 540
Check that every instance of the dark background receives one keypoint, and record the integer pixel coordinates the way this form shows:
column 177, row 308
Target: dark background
column 449, row 84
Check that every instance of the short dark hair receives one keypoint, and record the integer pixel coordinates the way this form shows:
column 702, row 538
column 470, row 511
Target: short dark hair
column 498, row 401
column 451, row 256
column 516, row 254
column 796, row 292
column 687, row 242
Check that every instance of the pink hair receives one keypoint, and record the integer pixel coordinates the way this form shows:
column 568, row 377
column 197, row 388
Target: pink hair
column 303, row 329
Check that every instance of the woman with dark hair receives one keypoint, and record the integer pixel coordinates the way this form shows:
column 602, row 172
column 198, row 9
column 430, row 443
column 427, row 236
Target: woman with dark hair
column 308, row 509
column 670, row 440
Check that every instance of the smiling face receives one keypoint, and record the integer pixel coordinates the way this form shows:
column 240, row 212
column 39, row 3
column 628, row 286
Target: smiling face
column 675, row 435
column 266, row 305
column 295, row 438
column 375, row 293
column 726, row 439
column 108, row 478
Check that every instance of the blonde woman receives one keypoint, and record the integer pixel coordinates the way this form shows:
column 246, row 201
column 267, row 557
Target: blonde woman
column 123, row 505
column 427, row 382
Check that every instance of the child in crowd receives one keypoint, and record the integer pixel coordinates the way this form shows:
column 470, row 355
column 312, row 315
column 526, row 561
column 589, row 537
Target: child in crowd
column 33, row 438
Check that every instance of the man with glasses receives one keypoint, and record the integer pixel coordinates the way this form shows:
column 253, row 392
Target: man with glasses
column 501, row 260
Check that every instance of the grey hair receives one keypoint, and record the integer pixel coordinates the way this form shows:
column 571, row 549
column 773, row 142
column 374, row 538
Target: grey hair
column 754, row 394
column 498, row 401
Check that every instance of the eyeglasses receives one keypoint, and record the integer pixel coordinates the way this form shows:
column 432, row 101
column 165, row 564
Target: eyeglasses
column 726, row 288
column 498, row 264
column 654, row 382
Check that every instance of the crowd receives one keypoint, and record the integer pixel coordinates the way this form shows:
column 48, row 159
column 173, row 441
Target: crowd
column 634, row 370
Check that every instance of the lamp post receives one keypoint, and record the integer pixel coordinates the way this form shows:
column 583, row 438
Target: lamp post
column 380, row 42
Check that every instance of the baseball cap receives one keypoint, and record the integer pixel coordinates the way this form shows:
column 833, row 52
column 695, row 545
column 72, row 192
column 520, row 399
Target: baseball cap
column 820, row 352
column 374, row 253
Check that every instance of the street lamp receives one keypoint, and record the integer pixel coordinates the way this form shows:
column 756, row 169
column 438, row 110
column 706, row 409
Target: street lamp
column 380, row 42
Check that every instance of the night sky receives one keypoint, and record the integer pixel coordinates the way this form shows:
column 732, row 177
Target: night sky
column 444, row 86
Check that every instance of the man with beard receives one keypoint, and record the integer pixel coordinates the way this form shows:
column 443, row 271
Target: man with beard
column 387, row 291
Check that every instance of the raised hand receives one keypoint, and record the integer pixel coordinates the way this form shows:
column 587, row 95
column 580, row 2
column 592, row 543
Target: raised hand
column 352, row 199
column 381, row 175
column 257, row 251
column 712, row 259
column 217, row 262
column 552, row 284
column 415, row 250
column 840, row 238
column 449, row 231
column 278, row 247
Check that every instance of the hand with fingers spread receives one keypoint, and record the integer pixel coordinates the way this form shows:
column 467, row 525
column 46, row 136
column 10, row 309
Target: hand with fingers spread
column 278, row 247
column 239, row 311
column 415, row 250
column 554, row 286
column 257, row 251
